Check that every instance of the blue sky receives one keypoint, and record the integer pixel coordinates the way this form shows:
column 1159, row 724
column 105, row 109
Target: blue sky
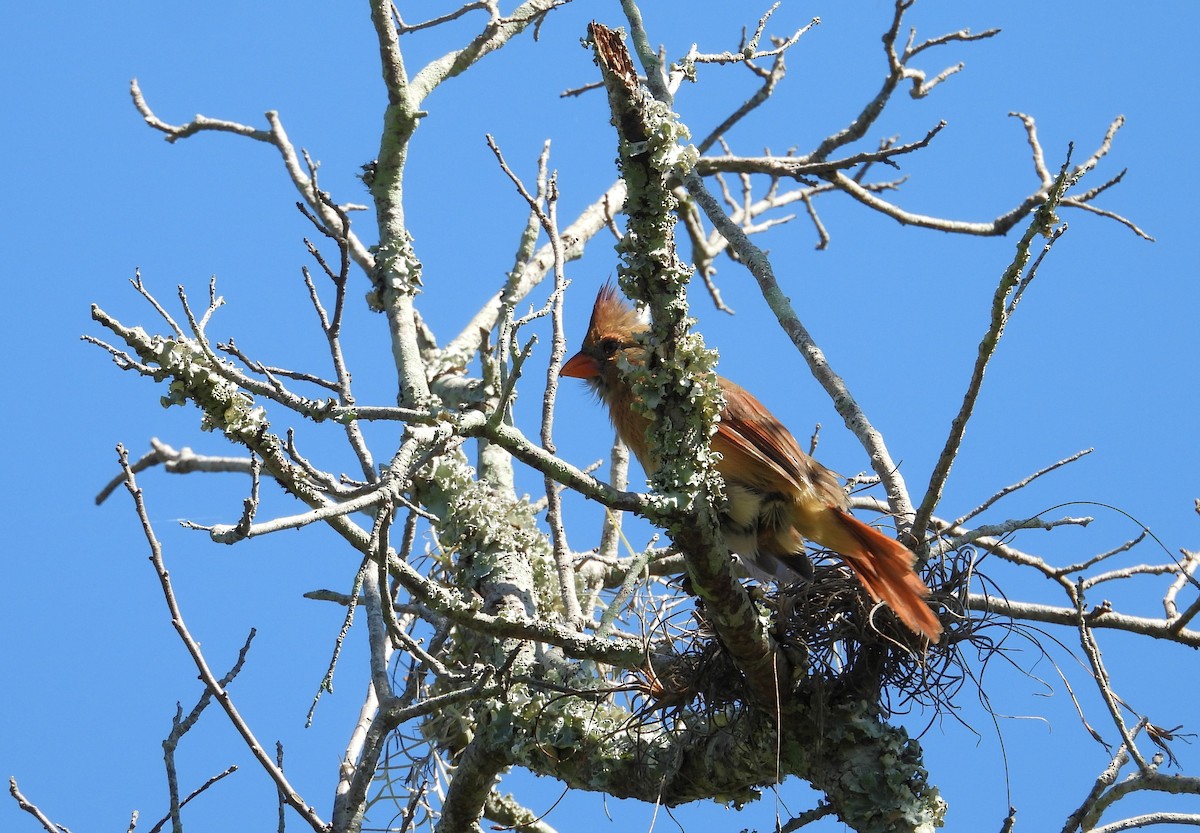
column 1100, row 354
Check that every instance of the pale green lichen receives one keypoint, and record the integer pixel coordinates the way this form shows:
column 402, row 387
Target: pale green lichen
column 487, row 530
column 196, row 378
column 397, row 270
column 873, row 772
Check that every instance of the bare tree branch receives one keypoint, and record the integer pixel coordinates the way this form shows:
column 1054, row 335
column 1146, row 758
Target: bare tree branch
column 275, row 136
column 33, row 810
column 214, row 685
column 1011, row 284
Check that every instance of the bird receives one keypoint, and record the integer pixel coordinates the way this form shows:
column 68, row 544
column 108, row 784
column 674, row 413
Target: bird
column 777, row 496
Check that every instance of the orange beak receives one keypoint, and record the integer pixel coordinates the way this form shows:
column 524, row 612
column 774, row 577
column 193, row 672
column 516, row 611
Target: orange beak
column 580, row 366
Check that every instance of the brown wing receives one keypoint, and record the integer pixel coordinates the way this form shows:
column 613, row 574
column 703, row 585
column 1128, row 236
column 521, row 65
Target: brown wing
column 760, row 453
column 748, row 429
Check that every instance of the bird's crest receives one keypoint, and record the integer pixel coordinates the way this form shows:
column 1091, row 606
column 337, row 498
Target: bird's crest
column 613, row 314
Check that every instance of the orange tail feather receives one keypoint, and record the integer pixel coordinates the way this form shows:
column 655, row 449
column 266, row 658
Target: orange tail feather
column 885, row 569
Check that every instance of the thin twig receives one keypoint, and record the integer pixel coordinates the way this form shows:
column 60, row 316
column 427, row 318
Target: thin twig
column 230, row 770
column 308, row 813
column 33, row 810
column 1010, row 282
column 1020, row 484
column 275, row 136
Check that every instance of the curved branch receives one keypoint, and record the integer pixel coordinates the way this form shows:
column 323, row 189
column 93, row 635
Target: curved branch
column 1147, row 819
column 496, row 33
column 276, row 137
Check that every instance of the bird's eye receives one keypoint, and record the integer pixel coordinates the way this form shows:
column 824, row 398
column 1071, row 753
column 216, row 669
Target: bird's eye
column 609, row 346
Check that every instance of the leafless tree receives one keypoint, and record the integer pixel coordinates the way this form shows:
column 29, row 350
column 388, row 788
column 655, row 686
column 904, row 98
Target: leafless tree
column 499, row 646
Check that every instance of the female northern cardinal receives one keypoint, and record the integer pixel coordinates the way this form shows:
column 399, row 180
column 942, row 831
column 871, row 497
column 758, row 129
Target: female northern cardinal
column 777, row 495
